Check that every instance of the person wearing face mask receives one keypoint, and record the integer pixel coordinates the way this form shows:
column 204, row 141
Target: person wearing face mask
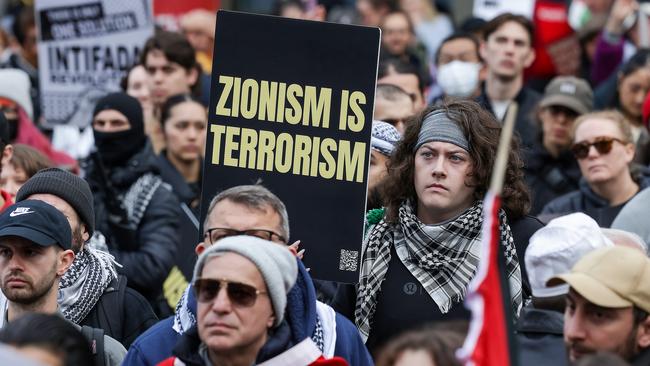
column 18, row 109
column 136, row 212
column 459, row 66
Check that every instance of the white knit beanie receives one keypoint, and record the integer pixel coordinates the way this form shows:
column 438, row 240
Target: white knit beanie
column 15, row 85
column 274, row 261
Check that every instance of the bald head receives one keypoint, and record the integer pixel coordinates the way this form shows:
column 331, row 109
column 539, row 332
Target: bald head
column 626, row 239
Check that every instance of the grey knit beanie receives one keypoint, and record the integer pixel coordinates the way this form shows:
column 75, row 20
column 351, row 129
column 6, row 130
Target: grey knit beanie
column 70, row 188
column 275, row 262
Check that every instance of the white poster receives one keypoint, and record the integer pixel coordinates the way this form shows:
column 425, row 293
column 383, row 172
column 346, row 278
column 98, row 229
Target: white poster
column 488, row 9
column 85, row 48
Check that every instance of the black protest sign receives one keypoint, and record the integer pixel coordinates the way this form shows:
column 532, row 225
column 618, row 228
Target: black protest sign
column 291, row 105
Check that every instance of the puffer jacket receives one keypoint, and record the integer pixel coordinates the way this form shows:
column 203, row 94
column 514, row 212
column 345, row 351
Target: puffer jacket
column 587, row 201
column 146, row 252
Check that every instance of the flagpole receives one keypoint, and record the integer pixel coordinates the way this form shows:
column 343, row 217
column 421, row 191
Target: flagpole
column 492, row 344
column 496, row 187
column 501, row 161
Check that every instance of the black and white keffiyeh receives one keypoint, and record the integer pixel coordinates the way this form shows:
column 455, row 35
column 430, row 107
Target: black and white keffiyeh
column 84, row 283
column 444, row 258
column 184, row 318
column 137, row 198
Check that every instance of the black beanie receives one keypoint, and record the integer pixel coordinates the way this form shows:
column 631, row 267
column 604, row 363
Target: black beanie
column 65, row 185
column 117, row 148
column 125, row 104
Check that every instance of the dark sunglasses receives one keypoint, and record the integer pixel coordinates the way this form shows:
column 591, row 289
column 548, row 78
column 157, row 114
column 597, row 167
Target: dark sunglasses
column 240, row 294
column 558, row 109
column 216, row 233
column 602, row 144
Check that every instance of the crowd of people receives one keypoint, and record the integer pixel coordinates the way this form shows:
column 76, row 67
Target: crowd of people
column 102, row 262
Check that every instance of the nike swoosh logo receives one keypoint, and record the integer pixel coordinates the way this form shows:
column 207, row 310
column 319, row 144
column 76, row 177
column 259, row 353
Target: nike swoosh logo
column 14, row 214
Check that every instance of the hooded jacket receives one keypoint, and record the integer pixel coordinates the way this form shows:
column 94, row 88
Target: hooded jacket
column 587, row 201
column 147, row 250
column 302, row 316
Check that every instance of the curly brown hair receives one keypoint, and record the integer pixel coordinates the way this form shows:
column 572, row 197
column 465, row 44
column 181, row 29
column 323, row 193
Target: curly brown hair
column 482, row 131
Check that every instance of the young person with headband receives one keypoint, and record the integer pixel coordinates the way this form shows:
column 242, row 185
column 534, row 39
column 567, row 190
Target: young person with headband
column 421, row 251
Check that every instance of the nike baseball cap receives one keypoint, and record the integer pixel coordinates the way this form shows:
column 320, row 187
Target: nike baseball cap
column 36, row 221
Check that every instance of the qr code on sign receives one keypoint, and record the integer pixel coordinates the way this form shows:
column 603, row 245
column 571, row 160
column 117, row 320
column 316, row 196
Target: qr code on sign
column 348, row 260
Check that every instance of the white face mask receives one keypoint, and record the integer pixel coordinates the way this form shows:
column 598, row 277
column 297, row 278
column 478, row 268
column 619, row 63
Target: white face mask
column 458, row 78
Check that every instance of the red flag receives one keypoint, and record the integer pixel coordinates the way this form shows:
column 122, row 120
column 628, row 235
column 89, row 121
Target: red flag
column 487, row 342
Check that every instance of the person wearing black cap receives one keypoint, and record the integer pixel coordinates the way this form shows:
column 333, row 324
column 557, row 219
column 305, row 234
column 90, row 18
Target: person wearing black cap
column 134, row 209
column 107, row 303
column 7, row 151
column 35, row 253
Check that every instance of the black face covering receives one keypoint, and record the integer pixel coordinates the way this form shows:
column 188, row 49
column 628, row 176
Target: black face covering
column 4, row 130
column 116, row 148
column 12, row 127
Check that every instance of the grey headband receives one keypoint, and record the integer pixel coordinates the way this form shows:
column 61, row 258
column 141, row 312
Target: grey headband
column 437, row 126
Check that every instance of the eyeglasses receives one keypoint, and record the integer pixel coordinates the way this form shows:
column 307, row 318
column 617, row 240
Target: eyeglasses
column 602, row 144
column 216, row 233
column 240, row 294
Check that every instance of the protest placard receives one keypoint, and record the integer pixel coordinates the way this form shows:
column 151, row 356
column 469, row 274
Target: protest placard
column 168, row 13
column 291, row 104
column 488, row 9
column 85, row 48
